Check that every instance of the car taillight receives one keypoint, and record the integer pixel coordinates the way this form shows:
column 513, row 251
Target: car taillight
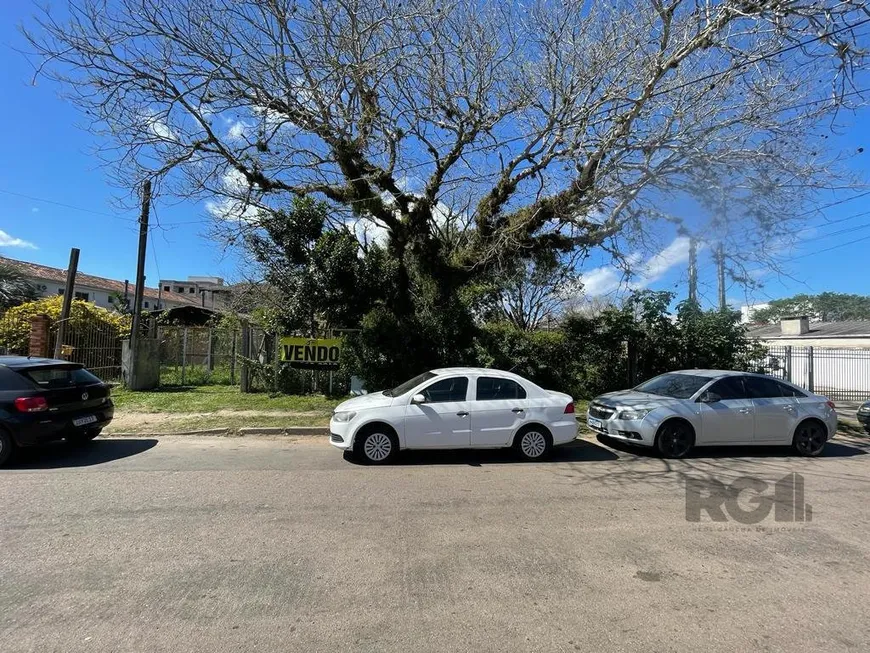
column 31, row 404
column 569, row 409
column 831, row 405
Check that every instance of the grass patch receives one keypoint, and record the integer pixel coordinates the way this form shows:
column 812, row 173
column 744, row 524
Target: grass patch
column 211, row 398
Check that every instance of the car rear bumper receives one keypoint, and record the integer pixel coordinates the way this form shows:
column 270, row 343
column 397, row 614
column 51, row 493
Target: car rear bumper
column 33, row 429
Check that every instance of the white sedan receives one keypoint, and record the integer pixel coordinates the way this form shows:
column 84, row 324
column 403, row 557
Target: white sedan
column 455, row 408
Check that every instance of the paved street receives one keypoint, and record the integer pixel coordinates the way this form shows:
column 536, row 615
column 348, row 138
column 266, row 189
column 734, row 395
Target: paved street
column 245, row 544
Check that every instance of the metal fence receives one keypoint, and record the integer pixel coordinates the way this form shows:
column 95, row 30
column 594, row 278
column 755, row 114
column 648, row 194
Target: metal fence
column 838, row 373
column 198, row 355
column 96, row 346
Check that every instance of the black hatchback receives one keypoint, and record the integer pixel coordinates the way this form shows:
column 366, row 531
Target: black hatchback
column 42, row 399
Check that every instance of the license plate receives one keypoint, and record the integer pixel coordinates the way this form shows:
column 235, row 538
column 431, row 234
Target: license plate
column 595, row 423
column 81, row 421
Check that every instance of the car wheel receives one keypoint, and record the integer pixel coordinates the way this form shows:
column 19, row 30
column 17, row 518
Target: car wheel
column 376, row 446
column 675, row 439
column 810, row 438
column 533, row 443
column 7, row 447
column 83, row 437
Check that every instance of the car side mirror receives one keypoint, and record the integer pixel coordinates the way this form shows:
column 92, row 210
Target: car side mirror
column 419, row 398
column 709, row 398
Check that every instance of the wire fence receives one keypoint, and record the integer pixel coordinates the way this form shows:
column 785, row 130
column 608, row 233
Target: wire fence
column 837, row 373
column 199, row 355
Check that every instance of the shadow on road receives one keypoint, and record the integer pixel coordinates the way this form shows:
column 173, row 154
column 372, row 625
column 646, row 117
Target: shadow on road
column 833, row 449
column 59, row 455
column 576, row 451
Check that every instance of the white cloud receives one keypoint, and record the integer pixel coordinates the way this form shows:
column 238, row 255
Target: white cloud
column 369, row 232
column 8, row 241
column 238, row 131
column 34, row 210
column 608, row 279
column 233, row 208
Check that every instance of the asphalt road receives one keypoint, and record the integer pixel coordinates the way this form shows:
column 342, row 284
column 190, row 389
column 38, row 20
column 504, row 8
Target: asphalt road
column 244, row 544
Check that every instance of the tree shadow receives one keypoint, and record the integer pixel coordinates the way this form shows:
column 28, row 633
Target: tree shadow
column 576, row 451
column 833, row 449
column 59, row 455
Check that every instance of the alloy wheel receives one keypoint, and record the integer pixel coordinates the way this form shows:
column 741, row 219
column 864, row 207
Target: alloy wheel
column 810, row 439
column 675, row 441
column 377, row 447
column 533, row 444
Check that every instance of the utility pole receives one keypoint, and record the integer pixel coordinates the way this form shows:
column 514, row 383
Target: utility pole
column 720, row 266
column 693, row 271
column 68, row 292
column 140, row 279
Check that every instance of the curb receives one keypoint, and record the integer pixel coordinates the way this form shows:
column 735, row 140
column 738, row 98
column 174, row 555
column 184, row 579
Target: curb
column 225, row 432
column 284, row 430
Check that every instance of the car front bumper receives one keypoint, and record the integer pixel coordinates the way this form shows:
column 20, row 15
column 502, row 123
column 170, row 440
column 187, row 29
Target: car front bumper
column 864, row 418
column 31, row 429
column 641, row 432
column 340, row 434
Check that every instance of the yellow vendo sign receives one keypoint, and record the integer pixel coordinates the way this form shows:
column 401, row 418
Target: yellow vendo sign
column 314, row 352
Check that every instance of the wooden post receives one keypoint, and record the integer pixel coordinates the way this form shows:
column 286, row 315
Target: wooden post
column 69, row 291
column 245, row 376
column 183, row 356
column 233, row 360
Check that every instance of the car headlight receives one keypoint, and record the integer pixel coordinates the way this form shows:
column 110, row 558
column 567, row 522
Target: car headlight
column 633, row 414
column 343, row 416
column 864, row 408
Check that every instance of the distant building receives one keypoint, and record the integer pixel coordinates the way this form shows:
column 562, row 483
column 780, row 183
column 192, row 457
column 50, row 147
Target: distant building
column 207, row 292
column 747, row 313
column 799, row 331
column 99, row 291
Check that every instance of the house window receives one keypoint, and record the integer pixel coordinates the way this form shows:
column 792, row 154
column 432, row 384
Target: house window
column 60, row 291
column 146, row 304
column 111, row 299
column 165, row 288
column 179, row 289
column 192, row 290
column 82, row 295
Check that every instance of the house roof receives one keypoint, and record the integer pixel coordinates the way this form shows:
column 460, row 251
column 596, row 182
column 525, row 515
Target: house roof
column 845, row 329
column 34, row 270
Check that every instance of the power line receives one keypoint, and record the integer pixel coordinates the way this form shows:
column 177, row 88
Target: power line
column 66, row 206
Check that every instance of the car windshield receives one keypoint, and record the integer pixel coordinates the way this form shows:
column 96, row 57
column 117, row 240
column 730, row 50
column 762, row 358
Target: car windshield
column 410, row 384
column 677, row 386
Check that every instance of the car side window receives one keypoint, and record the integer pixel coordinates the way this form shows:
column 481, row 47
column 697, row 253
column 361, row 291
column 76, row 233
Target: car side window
column 788, row 391
column 489, row 387
column 452, row 389
column 760, row 388
column 731, row 387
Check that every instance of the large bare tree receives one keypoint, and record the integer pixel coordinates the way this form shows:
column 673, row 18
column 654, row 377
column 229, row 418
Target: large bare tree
column 467, row 132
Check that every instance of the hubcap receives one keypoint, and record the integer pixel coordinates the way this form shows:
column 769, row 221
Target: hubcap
column 533, row 444
column 377, row 446
column 810, row 439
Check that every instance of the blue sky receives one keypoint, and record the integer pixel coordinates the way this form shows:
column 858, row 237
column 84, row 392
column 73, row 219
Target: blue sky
column 54, row 195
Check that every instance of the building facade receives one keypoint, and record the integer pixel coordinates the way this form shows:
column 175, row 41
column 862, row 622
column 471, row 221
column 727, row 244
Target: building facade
column 100, row 291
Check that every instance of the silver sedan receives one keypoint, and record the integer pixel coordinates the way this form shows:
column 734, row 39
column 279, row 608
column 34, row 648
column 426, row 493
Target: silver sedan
column 676, row 411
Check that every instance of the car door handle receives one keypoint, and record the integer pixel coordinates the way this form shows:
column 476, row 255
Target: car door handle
column 788, row 408
column 517, row 410
column 462, row 413
column 745, row 410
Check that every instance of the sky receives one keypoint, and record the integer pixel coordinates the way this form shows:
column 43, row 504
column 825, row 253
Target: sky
column 55, row 195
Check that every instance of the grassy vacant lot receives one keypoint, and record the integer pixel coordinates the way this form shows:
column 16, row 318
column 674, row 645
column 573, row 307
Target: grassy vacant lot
column 177, row 410
column 210, row 398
